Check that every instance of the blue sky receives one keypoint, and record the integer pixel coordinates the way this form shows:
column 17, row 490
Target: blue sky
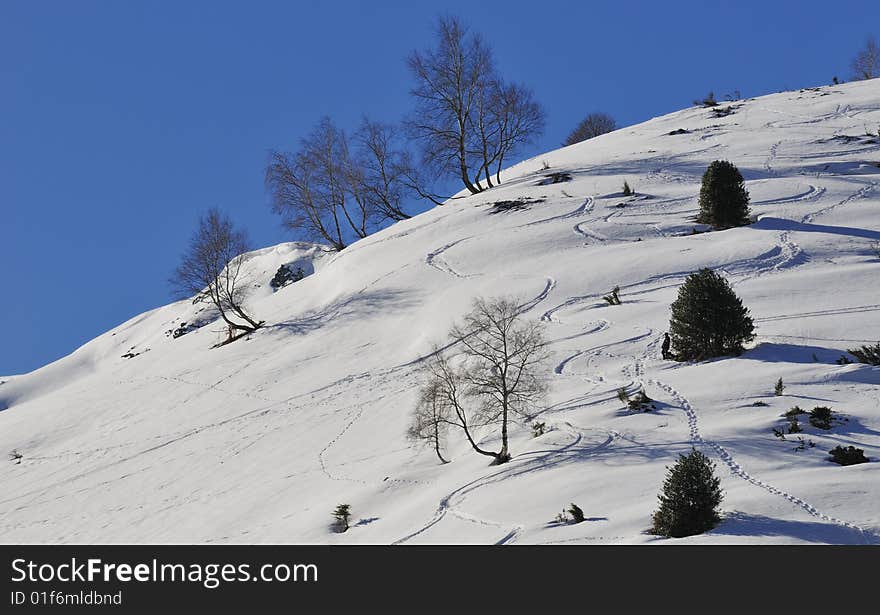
column 121, row 121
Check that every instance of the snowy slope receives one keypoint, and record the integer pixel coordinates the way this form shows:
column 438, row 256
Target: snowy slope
column 259, row 440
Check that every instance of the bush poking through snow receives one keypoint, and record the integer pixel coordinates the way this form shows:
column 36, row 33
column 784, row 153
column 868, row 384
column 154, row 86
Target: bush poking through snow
column 803, row 444
column 577, row 515
column 15, row 456
column 724, row 200
column 538, row 429
column 627, row 191
column 821, row 417
column 690, row 498
column 285, row 275
column 795, row 410
column 708, row 319
column 341, row 515
column 867, row 354
column 623, row 395
column 613, row 298
column 847, row 456
column 641, row 402
column 572, row 514
column 708, row 101
column 794, row 425
column 778, row 388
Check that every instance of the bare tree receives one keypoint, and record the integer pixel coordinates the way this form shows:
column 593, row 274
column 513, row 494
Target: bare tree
column 431, row 417
column 447, row 389
column 319, row 190
column 449, row 81
column 501, row 375
column 419, row 178
column 866, row 64
column 593, row 125
column 382, row 166
column 211, row 270
column 466, row 119
column 519, row 119
column 295, row 197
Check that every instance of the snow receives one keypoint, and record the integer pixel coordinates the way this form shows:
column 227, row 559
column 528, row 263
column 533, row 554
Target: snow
column 258, row 441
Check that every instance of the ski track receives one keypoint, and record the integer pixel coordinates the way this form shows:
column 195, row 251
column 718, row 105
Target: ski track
column 585, row 208
column 448, row 504
column 812, row 192
column 861, row 193
column 581, row 229
column 435, row 259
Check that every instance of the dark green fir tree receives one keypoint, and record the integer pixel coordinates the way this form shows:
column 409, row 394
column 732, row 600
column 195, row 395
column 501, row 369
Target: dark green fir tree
column 690, row 498
column 724, row 201
column 708, row 319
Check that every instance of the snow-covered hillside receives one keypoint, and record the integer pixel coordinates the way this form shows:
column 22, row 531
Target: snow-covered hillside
column 259, row 440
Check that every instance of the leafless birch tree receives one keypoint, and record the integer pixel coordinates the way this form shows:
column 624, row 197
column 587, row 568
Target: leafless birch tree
column 866, row 64
column 501, row 376
column 318, row 191
column 593, row 125
column 466, row 120
column 211, row 269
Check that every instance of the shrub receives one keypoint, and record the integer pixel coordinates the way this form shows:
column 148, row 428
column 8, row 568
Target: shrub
column 867, row 354
column 803, row 444
column 847, row 456
column 843, row 360
column 285, row 275
column 690, row 497
column 821, row 417
column 708, row 101
column 627, row 191
column 538, row 429
column 760, row 403
column 558, row 177
column 341, row 514
column 779, row 387
column 593, row 125
column 724, row 201
column 622, row 395
column 15, row 456
column 641, row 402
column 613, row 298
column 708, row 319
column 794, row 425
column 577, row 515
column 795, row 410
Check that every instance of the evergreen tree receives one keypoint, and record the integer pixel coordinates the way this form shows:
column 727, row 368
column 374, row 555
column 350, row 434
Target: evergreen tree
column 724, row 201
column 690, row 498
column 342, row 514
column 708, row 319
column 867, row 354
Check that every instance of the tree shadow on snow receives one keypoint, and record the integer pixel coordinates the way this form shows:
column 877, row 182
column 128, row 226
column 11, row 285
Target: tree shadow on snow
column 358, row 305
column 773, row 352
column 778, row 224
column 738, row 523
